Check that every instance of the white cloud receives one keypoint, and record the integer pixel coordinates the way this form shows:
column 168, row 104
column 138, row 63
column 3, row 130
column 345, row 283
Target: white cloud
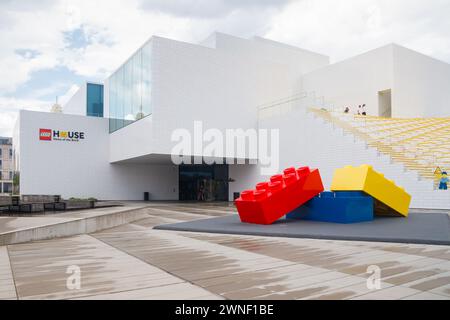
column 29, row 30
column 114, row 40
column 9, row 108
column 344, row 28
column 211, row 9
column 114, row 30
column 7, row 120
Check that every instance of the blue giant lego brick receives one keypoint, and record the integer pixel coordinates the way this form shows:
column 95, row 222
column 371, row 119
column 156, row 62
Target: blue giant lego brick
column 337, row 207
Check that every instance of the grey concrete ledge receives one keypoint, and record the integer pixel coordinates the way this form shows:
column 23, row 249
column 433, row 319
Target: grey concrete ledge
column 73, row 226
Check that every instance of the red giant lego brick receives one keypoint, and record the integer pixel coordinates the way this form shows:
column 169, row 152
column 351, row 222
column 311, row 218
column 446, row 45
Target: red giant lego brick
column 283, row 194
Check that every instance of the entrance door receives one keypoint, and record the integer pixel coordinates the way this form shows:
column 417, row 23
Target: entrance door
column 384, row 104
column 203, row 182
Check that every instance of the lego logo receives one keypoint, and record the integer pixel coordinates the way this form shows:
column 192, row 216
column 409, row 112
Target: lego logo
column 45, row 134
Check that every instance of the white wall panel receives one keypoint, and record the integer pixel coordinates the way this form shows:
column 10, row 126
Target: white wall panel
column 355, row 81
column 77, row 104
column 82, row 169
column 421, row 85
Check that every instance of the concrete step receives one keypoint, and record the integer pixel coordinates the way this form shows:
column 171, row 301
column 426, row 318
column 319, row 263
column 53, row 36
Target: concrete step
column 20, row 229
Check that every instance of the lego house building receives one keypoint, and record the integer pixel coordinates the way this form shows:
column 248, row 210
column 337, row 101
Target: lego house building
column 114, row 140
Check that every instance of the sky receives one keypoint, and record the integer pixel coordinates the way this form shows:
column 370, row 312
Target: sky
column 49, row 47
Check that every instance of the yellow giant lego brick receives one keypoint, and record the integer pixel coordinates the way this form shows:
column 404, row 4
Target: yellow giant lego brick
column 365, row 178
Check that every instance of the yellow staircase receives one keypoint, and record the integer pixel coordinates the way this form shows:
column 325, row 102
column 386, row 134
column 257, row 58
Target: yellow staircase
column 420, row 144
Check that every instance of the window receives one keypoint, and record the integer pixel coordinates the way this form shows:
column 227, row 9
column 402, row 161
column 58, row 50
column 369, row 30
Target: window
column 10, row 153
column 0, row 164
column 11, row 175
column 130, row 90
column 7, row 187
column 94, row 100
column 1, row 150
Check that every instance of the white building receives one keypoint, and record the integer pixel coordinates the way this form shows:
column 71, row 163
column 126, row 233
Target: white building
column 223, row 82
column 391, row 80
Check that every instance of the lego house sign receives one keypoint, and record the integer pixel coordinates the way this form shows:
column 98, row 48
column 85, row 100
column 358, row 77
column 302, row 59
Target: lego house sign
column 60, row 135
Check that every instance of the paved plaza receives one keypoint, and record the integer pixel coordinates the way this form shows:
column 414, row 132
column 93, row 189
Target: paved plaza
column 134, row 261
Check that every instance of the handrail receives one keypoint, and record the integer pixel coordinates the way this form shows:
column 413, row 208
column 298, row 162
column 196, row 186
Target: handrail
column 294, row 97
column 301, row 98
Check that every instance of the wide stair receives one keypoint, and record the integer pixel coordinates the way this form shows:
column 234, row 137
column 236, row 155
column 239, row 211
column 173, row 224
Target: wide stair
column 419, row 144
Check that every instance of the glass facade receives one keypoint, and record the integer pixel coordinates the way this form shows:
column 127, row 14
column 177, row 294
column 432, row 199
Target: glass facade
column 94, row 100
column 130, row 90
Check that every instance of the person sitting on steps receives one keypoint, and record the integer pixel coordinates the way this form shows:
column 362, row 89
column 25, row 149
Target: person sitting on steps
column 363, row 110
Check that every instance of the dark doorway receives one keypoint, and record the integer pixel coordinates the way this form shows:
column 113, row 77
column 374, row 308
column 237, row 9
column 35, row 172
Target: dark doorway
column 385, row 103
column 203, row 182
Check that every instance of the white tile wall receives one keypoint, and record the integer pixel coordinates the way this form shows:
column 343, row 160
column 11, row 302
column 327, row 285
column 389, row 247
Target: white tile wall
column 307, row 140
